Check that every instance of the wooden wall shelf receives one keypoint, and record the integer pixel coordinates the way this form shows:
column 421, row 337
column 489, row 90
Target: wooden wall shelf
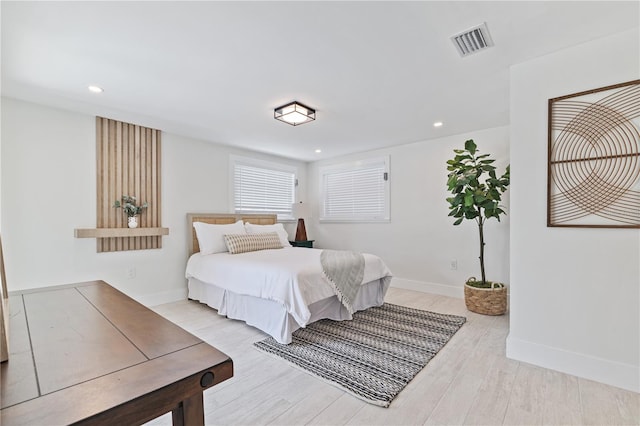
column 118, row 232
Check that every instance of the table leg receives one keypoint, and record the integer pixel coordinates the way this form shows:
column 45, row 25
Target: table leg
column 190, row 412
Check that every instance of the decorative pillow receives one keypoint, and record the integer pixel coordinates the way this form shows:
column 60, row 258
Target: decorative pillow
column 211, row 237
column 242, row 243
column 261, row 229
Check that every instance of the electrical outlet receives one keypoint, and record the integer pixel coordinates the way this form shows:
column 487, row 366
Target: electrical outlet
column 453, row 264
column 131, row 273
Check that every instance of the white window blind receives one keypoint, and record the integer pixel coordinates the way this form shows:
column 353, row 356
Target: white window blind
column 261, row 187
column 356, row 191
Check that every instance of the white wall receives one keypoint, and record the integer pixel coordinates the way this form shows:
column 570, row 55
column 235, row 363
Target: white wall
column 574, row 292
column 420, row 240
column 49, row 188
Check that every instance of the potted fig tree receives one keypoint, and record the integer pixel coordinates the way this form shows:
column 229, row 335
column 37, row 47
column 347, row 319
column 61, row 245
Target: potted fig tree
column 476, row 194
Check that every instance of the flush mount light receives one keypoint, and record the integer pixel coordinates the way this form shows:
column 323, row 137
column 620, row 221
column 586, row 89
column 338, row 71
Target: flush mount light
column 294, row 113
column 318, row 151
column 437, row 124
column 96, row 89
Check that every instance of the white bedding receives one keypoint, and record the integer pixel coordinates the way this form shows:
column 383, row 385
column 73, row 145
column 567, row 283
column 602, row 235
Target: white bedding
column 291, row 278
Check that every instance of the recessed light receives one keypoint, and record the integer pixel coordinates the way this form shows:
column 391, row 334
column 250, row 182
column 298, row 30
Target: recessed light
column 96, row 89
column 318, row 151
column 438, row 124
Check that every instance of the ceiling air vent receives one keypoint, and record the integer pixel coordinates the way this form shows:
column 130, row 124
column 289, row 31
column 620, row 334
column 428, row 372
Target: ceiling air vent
column 472, row 40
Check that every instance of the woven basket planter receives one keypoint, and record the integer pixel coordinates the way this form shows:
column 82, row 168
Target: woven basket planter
column 487, row 301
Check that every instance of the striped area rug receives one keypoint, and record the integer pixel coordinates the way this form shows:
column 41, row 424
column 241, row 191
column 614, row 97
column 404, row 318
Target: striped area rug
column 372, row 357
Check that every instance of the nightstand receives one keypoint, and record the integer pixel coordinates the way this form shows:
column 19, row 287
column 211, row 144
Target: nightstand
column 306, row 243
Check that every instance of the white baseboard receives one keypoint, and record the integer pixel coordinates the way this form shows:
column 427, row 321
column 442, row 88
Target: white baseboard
column 426, row 287
column 162, row 297
column 625, row 376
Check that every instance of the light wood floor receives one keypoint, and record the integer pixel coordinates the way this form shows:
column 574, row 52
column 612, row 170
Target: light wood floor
column 470, row 381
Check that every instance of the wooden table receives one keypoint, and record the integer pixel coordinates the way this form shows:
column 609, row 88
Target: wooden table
column 88, row 353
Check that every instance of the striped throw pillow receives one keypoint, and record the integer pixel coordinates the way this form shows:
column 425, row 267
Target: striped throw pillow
column 242, row 243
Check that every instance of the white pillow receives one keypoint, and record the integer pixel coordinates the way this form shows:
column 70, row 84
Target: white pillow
column 211, row 237
column 262, row 229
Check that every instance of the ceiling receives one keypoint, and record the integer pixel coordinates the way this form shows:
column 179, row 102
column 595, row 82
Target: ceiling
column 378, row 73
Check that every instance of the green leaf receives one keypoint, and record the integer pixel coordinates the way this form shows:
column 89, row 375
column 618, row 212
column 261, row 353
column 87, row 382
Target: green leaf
column 479, row 199
column 468, row 200
column 458, row 222
column 470, row 146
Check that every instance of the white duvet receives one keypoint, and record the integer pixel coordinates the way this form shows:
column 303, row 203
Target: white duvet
column 290, row 276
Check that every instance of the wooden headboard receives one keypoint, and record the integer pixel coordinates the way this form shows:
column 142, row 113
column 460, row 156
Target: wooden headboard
column 223, row 219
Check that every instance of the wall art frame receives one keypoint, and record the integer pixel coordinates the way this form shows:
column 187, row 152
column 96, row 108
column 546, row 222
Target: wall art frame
column 593, row 169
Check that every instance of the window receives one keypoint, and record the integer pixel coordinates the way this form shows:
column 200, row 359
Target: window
column 262, row 187
column 357, row 191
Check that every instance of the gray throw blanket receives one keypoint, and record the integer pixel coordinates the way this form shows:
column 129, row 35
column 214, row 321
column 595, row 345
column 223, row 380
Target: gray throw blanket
column 345, row 270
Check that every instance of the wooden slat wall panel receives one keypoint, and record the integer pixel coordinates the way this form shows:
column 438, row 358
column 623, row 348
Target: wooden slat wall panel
column 128, row 163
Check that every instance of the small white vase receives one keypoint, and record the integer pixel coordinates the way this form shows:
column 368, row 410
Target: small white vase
column 132, row 222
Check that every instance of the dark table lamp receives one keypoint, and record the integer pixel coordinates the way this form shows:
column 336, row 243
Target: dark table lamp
column 300, row 210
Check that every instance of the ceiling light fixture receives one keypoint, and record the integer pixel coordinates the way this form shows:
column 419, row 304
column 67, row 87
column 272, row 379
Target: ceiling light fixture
column 294, row 113
column 437, row 124
column 318, row 151
column 96, row 89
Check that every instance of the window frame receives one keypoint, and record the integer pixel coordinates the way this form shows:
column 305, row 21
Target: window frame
column 354, row 166
column 235, row 160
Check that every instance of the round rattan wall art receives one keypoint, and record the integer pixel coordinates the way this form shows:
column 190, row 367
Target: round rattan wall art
column 594, row 158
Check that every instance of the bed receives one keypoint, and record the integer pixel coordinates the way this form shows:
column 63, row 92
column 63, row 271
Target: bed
column 276, row 290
